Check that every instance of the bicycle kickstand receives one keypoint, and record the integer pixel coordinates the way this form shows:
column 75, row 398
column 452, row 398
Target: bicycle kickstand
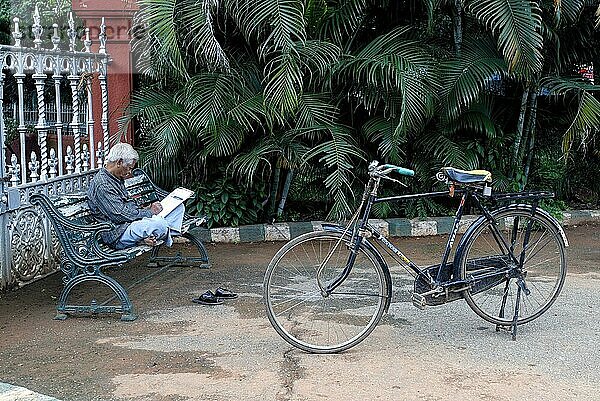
column 521, row 288
column 516, row 316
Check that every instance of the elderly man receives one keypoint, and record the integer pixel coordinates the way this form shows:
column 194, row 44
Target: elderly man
column 109, row 201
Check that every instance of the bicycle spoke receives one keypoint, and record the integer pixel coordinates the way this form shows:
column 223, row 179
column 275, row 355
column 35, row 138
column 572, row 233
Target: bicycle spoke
column 542, row 270
column 295, row 304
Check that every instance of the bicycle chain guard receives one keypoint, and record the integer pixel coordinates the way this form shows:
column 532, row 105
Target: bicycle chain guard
column 422, row 286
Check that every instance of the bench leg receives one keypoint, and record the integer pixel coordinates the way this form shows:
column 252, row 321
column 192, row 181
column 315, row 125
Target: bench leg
column 201, row 261
column 125, row 309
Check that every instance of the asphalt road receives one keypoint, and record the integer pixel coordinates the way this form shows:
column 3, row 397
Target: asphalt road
column 179, row 351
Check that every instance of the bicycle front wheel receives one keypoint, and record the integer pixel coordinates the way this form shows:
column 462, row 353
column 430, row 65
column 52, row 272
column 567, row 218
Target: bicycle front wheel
column 303, row 314
column 501, row 288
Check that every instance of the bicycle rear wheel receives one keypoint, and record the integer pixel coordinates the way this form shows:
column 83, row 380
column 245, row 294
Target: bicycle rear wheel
column 500, row 290
column 300, row 311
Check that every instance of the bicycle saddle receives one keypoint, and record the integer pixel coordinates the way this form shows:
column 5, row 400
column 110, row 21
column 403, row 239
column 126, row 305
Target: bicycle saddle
column 467, row 177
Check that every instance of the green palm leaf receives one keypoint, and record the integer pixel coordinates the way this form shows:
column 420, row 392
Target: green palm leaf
column 396, row 67
column 283, row 83
column 222, row 138
column 465, row 77
column 276, row 23
column 198, row 19
column 210, row 96
column 161, row 45
column 315, row 109
column 384, row 132
column 317, row 55
column 518, row 25
column 585, row 122
column 342, row 20
column 338, row 155
column 478, row 119
column 567, row 11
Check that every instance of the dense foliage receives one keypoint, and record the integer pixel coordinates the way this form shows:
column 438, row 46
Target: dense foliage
column 286, row 101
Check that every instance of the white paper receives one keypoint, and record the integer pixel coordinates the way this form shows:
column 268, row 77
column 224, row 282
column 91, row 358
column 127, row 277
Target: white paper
column 174, row 199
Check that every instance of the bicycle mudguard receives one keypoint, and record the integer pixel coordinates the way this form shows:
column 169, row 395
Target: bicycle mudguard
column 336, row 228
column 518, row 206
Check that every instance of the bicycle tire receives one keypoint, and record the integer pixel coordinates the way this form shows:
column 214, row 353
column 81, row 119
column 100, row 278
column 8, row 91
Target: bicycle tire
column 544, row 269
column 305, row 318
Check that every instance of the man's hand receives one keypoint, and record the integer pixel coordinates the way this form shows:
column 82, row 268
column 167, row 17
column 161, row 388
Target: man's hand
column 150, row 241
column 156, row 208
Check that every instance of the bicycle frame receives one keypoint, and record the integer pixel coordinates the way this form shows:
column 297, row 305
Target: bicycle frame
column 365, row 230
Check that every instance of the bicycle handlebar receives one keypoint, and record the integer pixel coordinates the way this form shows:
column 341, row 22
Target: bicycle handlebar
column 400, row 170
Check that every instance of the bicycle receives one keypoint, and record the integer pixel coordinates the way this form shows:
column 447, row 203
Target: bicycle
column 326, row 291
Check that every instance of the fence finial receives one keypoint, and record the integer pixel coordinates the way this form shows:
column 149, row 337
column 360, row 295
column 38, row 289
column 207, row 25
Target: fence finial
column 102, row 37
column 69, row 159
column 34, row 164
column 71, row 33
column 52, row 162
column 87, row 42
column 55, row 37
column 99, row 155
column 37, row 29
column 85, row 157
column 17, row 35
column 14, row 170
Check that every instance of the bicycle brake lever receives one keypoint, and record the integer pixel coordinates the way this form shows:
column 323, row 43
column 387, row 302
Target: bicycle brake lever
column 392, row 179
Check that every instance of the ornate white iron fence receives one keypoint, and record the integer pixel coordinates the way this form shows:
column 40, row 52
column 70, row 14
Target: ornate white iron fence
column 41, row 151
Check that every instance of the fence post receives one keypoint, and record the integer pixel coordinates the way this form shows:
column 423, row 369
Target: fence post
column 59, row 127
column 74, row 81
column 41, row 123
column 4, row 239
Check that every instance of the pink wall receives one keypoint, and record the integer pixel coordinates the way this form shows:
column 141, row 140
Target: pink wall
column 118, row 16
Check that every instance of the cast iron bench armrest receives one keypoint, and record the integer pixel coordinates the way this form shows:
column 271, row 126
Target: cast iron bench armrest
column 80, row 242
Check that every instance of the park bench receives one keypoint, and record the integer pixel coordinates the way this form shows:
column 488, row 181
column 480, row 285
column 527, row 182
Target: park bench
column 84, row 258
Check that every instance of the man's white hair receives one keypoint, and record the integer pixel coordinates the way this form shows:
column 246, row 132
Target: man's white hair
column 122, row 151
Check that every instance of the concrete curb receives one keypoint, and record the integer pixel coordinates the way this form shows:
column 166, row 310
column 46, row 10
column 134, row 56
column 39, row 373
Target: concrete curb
column 399, row 227
column 8, row 392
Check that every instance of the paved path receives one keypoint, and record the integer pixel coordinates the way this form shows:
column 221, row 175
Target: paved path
column 180, row 351
column 9, row 392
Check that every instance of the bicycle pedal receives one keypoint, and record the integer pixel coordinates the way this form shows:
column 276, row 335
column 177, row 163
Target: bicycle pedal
column 419, row 300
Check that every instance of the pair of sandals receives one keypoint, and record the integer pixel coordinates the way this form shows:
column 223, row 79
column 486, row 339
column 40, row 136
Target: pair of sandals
column 215, row 298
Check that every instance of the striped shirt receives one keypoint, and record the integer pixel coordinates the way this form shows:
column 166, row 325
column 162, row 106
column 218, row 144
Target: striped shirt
column 109, row 201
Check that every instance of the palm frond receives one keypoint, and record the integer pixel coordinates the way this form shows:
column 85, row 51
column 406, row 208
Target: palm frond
column 586, row 121
column 211, row 96
column 222, row 138
column 318, row 55
column 394, row 66
column 443, row 151
column 465, row 77
column 283, row 83
column 343, row 19
column 254, row 161
column 567, row 11
column 518, row 26
column 161, row 46
column 478, row 119
column 315, row 109
column 556, row 85
column 315, row 12
column 200, row 37
column 389, row 140
column 337, row 156
column 277, row 24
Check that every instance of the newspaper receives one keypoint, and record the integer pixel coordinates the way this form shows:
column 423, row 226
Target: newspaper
column 174, row 199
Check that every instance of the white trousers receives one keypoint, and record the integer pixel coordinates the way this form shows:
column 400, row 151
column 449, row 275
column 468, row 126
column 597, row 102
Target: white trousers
column 161, row 228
